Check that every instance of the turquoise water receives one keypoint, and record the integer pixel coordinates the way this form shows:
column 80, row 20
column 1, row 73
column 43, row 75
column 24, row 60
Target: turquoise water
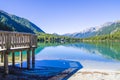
column 104, row 52
column 53, row 59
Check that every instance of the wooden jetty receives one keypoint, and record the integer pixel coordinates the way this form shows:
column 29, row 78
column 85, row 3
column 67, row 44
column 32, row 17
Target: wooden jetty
column 10, row 42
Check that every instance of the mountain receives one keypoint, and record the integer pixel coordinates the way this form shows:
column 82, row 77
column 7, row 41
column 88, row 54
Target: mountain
column 107, row 28
column 84, row 34
column 15, row 23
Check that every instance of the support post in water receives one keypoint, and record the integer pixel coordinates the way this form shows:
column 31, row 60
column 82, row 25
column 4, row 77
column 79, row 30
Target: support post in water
column 13, row 59
column 21, row 59
column 33, row 57
column 6, row 69
column 28, row 59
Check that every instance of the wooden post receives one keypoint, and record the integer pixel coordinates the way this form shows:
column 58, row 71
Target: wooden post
column 2, row 57
column 21, row 59
column 6, row 71
column 8, row 45
column 33, row 58
column 28, row 59
column 13, row 59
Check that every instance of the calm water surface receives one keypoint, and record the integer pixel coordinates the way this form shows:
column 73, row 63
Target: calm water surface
column 53, row 59
column 90, row 55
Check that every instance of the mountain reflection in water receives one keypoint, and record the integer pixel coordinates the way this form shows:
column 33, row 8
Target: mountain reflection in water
column 60, row 61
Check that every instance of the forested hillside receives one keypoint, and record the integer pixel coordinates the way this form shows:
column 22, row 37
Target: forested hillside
column 15, row 23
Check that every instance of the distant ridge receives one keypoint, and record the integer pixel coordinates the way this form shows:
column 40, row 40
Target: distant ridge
column 107, row 28
column 9, row 22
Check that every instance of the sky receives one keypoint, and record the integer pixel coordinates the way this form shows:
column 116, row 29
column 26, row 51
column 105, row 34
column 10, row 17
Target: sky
column 64, row 16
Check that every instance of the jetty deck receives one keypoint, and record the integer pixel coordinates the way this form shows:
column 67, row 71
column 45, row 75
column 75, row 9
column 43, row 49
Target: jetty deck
column 10, row 42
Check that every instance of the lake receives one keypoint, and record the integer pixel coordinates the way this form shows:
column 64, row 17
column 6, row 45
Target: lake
column 60, row 61
column 90, row 55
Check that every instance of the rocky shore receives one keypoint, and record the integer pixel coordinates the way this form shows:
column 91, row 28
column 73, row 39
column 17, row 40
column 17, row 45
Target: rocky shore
column 86, row 74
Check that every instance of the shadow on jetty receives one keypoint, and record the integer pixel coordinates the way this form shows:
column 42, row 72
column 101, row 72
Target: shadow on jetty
column 47, row 70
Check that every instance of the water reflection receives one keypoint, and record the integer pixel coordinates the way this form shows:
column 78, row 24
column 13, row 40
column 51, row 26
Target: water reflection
column 109, row 50
column 90, row 55
column 60, row 61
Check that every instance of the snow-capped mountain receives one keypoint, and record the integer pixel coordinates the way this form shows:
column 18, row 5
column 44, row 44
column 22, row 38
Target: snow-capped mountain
column 107, row 28
column 85, row 33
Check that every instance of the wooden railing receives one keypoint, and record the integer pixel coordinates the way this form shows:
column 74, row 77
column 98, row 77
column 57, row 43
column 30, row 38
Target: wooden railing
column 14, row 40
column 10, row 42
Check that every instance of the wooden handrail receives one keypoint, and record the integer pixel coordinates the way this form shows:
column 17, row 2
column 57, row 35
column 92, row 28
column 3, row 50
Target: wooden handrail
column 13, row 40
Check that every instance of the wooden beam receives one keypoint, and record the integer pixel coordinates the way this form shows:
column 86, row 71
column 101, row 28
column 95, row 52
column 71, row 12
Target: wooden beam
column 33, row 57
column 28, row 59
column 21, row 59
column 13, row 59
column 6, row 69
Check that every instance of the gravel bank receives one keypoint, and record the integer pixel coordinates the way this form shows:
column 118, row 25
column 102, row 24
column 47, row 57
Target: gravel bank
column 86, row 74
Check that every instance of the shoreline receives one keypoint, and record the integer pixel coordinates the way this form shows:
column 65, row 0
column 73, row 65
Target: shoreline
column 92, row 70
column 95, row 74
column 82, row 74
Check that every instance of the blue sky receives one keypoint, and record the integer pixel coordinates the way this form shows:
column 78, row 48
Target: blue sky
column 64, row 16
